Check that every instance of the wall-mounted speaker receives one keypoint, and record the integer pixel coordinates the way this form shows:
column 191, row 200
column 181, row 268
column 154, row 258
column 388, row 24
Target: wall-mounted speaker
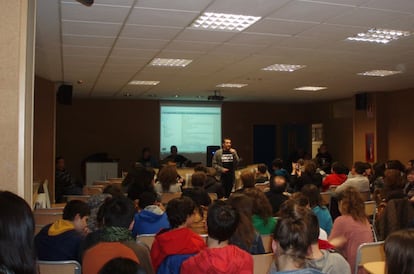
column 361, row 101
column 64, row 94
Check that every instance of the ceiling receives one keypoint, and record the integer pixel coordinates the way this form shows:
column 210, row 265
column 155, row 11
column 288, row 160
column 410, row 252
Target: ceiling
column 99, row 49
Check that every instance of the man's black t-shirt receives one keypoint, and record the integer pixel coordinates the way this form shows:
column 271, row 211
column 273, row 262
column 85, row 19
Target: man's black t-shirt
column 227, row 160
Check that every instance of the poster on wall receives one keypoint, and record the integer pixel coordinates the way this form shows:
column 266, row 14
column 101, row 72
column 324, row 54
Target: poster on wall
column 369, row 147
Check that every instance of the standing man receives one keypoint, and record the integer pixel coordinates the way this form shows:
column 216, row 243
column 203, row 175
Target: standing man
column 225, row 161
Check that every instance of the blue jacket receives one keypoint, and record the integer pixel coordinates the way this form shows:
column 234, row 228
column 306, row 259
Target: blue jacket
column 324, row 218
column 150, row 221
column 172, row 264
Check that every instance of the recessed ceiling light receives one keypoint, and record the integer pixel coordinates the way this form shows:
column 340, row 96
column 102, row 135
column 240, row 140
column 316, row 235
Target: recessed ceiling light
column 382, row 36
column 144, row 83
column 283, row 67
column 165, row 62
column 230, row 85
column 379, row 73
column 224, row 21
column 310, row 88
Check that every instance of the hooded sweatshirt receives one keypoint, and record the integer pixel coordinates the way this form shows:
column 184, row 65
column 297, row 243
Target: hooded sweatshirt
column 175, row 242
column 150, row 220
column 333, row 180
column 58, row 241
column 229, row 259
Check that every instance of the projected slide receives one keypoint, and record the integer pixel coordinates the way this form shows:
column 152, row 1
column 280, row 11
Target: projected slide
column 190, row 128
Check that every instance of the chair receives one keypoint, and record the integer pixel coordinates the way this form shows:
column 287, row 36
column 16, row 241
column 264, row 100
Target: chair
column 369, row 252
column 267, row 243
column 46, row 216
column 262, row 263
column 370, row 212
column 326, row 198
column 366, row 195
column 263, row 186
column 168, row 196
column 146, row 239
column 94, row 190
column 77, row 197
column 61, row 267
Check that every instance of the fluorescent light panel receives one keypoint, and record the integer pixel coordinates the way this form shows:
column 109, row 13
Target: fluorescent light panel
column 224, row 21
column 230, row 85
column 144, row 83
column 283, row 67
column 382, row 36
column 310, row 88
column 165, row 62
column 379, row 73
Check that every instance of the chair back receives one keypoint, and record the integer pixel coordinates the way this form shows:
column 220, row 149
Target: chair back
column 267, row 243
column 77, row 197
column 213, row 196
column 366, row 195
column 94, row 190
column 46, row 216
column 262, row 263
column 146, row 239
column 369, row 252
column 265, row 187
column 61, row 267
column 168, row 196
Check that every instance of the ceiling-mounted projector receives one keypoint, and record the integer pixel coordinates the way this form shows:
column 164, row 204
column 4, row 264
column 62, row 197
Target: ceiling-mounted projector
column 216, row 97
column 86, row 2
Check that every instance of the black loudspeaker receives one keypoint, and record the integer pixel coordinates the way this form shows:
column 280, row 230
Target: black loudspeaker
column 64, row 95
column 361, row 101
column 210, row 153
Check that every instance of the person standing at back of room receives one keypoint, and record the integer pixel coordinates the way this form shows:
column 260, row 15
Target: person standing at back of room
column 225, row 161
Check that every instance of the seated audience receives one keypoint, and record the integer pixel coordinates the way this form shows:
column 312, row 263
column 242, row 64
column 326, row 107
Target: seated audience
column 176, row 158
column 198, row 179
column 138, row 180
column 262, row 218
column 291, row 243
column 168, row 180
column 399, row 252
column 122, row 265
column 324, row 158
column 409, row 187
column 358, row 180
column 151, row 218
column 337, row 176
column 352, row 228
column 220, row 256
column 17, row 253
column 245, row 237
column 61, row 240
column 212, row 185
column 309, row 175
column 315, row 203
column 147, row 160
column 261, row 174
column 377, row 179
column 277, row 194
column 179, row 239
column 201, row 200
column 278, row 169
column 114, row 239
column 393, row 185
column 65, row 183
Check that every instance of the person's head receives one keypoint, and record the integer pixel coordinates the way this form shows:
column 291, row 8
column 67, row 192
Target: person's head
column 410, row 175
column 277, row 164
column 117, row 211
column 261, row 204
column 359, row 168
column 198, row 195
column 122, row 265
column 146, row 153
column 247, row 179
column 60, row 163
column 339, row 168
column 300, row 199
column 222, row 221
column 351, row 203
column 313, row 194
column 323, row 148
column 226, row 143
column 146, row 199
column 180, row 212
column 244, row 206
column 114, row 190
column 410, row 164
column 78, row 213
column 310, row 167
column 288, row 207
column 139, row 180
column 292, row 238
column 16, row 234
column 278, row 184
column 393, row 180
column 395, row 164
column 173, row 150
column 167, row 177
column 200, row 168
column 399, row 252
column 262, row 169
column 379, row 169
column 198, row 179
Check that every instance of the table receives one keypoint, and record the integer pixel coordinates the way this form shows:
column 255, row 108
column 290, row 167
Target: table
column 375, row 267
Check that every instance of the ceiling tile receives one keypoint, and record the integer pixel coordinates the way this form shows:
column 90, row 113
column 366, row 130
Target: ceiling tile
column 141, row 43
column 205, row 35
column 90, row 41
column 90, row 28
column 282, row 27
column 184, row 5
column 252, row 7
column 191, row 46
column 100, row 13
column 257, row 38
column 134, row 53
column 159, row 17
column 150, row 32
column 406, row 6
column 85, row 51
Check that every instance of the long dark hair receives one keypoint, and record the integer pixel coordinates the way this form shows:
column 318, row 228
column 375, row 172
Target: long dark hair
column 399, row 252
column 245, row 231
column 16, row 234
